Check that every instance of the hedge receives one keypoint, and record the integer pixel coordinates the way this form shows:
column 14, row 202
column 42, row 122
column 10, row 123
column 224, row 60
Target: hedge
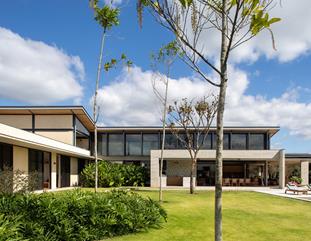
column 113, row 175
column 76, row 215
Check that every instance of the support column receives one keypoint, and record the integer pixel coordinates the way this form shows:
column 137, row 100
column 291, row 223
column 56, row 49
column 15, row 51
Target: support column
column 154, row 169
column 266, row 173
column 281, row 169
column 20, row 159
column 53, row 170
column 20, row 162
column 73, row 171
column 305, row 172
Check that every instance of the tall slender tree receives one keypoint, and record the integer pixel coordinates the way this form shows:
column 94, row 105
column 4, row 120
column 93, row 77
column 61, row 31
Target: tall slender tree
column 163, row 60
column 107, row 17
column 193, row 22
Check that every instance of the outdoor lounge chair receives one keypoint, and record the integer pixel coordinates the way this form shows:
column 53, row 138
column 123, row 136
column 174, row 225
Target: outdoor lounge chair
column 247, row 182
column 241, row 182
column 226, row 182
column 295, row 189
column 234, row 181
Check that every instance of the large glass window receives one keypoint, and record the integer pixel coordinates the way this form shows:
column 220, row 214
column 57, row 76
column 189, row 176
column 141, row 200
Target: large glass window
column 81, row 128
column 102, row 144
column 6, row 156
column 205, row 141
column 40, row 167
column 133, row 144
column 150, row 142
column 239, row 141
column 170, row 141
column 115, row 145
column 182, row 140
column 256, row 141
column 226, row 141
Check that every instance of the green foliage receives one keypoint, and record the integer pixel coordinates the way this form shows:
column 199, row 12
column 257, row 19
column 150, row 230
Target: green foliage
column 167, row 53
column 18, row 181
column 296, row 179
column 76, row 215
column 114, row 62
column 185, row 3
column 113, row 175
column 106, row 16
column 9, row 229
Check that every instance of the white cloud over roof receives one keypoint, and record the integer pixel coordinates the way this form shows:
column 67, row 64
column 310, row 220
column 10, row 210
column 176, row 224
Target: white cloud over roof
column 36, row 73
column 130, row 100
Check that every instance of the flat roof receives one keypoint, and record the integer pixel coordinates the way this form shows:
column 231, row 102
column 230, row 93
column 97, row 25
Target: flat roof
column 79, row 111
column 269, row 129
column 298, row 155
column 18, row 137
column 86, row 119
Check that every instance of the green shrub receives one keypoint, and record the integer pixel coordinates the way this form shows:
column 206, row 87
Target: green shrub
column 113, row 175
column 9, row 229
column 79, row 215
column 296, row 179
column 18, row 181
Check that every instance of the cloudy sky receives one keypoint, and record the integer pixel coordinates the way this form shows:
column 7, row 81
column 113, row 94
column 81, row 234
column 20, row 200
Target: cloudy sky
column 49, row 54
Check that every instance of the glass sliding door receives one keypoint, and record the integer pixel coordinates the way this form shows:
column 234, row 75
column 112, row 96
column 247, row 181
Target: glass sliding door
column 39, row 167
column 206, row 173
column 64, row 172
column 6, row 157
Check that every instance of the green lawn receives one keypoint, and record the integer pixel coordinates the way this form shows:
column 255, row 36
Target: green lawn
column 247, row 216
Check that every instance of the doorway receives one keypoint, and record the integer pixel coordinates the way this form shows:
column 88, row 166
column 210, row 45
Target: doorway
column 206, row 173
column 63, row 171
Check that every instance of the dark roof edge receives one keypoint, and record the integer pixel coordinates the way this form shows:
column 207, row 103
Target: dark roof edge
column 48, row 107
column 160, row 127
column 298, row 155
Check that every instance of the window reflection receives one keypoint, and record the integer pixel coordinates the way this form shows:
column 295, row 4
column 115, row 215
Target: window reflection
column 133, row 144
column 256, row 141
column 239, row 141
column 116, row 145
column 150, row 142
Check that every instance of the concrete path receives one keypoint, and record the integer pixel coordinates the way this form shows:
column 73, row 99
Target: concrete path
column 281, row 193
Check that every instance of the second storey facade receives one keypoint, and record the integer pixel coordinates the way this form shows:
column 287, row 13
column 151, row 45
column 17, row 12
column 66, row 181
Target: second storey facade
column 248, row 156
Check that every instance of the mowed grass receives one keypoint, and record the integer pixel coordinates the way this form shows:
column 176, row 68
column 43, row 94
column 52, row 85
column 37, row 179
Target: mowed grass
column 247, row 216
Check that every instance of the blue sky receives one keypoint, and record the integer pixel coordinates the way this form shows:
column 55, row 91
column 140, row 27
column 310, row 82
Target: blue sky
column 270, row 82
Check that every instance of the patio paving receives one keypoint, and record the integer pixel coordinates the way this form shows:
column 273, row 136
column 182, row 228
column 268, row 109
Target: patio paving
column 281, row 193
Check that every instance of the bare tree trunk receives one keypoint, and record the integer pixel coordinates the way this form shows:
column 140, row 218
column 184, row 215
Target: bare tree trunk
column 95, row 107
column 193, row 171
column 220, row 117
column 163, row 138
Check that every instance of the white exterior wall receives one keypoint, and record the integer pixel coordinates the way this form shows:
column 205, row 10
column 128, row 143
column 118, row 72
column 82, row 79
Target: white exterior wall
column 305, row 172
column 20, row 159
column 255, row 155
column 53, row 170
column 73, row 171
column 281, row 159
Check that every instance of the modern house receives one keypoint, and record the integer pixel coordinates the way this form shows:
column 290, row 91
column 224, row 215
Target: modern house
column 57, row 141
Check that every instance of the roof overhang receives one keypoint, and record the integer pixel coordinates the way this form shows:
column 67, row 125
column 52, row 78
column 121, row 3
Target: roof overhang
column 79, row 111
column 271, row 130
column 18, row 137
column 298, row 156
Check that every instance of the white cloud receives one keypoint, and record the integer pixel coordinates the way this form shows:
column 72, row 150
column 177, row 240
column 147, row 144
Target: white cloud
column 36, row 73
column 292, row 36
column 113, row 3
column 130, row 101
